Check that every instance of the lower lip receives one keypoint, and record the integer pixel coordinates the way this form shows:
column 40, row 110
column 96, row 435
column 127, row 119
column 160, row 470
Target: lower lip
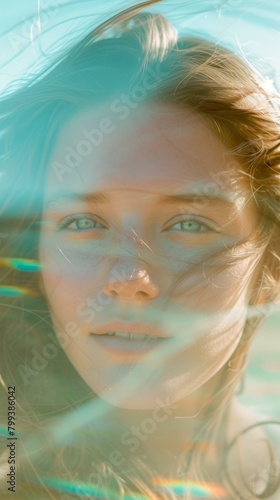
column 119, row 345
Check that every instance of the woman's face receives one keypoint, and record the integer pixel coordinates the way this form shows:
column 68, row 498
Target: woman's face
column 132, row 205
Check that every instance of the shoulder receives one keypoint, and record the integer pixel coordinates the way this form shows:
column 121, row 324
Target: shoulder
column 254, row 453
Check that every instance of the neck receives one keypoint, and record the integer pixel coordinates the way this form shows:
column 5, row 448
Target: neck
column 159, row 435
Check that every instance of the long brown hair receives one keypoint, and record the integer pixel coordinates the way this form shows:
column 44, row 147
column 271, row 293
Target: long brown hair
column 195, row 74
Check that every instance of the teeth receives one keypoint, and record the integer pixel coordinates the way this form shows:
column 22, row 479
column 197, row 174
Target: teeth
column 124, row 335
column 136, row 336
column 139, row 336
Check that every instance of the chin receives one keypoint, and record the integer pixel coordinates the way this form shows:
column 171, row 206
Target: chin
column 140, row 397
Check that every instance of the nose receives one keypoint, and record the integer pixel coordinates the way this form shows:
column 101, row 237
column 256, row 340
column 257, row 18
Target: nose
column 131, row 280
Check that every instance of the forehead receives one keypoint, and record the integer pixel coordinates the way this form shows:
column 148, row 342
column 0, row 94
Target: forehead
column 148, row 148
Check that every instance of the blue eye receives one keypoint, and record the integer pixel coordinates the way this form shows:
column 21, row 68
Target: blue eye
column 191, row 226
column 79, row 223
column 195, row 226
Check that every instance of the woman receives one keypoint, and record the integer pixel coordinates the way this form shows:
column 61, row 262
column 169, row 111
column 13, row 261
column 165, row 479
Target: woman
column 141, row 180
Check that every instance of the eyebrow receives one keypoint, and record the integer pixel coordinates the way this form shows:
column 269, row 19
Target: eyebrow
column 101, row 197
column 177, row 199
column 61, row 196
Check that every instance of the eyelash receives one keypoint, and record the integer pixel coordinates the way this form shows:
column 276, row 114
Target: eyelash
column 206, row 227
column 64, row 224
column 73, row 218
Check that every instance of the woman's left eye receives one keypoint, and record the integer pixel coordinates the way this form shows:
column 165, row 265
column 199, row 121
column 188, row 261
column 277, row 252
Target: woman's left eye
column 79, row 224
column 194, row 226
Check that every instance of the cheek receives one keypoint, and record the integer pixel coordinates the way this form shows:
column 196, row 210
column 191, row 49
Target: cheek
column 232, row 285
column 225, row 287
column 69, row 268
column 69, row 281
column 217, row 287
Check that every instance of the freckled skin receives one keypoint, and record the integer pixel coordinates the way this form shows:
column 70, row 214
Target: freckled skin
column 134, row 258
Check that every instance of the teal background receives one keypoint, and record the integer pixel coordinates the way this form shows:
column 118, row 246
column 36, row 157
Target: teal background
column 32, row 31
column 262, row 380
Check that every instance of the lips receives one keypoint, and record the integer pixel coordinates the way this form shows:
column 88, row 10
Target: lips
column 133, row 339
column 130, row 336
column 135, row 347
column 135, row 329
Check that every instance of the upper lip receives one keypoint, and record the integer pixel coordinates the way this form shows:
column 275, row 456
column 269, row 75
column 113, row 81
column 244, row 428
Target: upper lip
column 129, row 327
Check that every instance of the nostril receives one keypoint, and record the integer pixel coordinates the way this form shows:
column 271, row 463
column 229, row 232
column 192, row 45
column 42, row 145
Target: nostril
column 143, row 294
column 141, row 288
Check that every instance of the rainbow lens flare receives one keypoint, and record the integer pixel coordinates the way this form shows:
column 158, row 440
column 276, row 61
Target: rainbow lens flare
column 16, row 291
column 26, row 265
column 196, row 489
column 83, row 490
column 179, row 487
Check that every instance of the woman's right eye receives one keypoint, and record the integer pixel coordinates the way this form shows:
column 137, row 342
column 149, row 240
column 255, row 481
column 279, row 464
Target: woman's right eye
column 79, row 223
